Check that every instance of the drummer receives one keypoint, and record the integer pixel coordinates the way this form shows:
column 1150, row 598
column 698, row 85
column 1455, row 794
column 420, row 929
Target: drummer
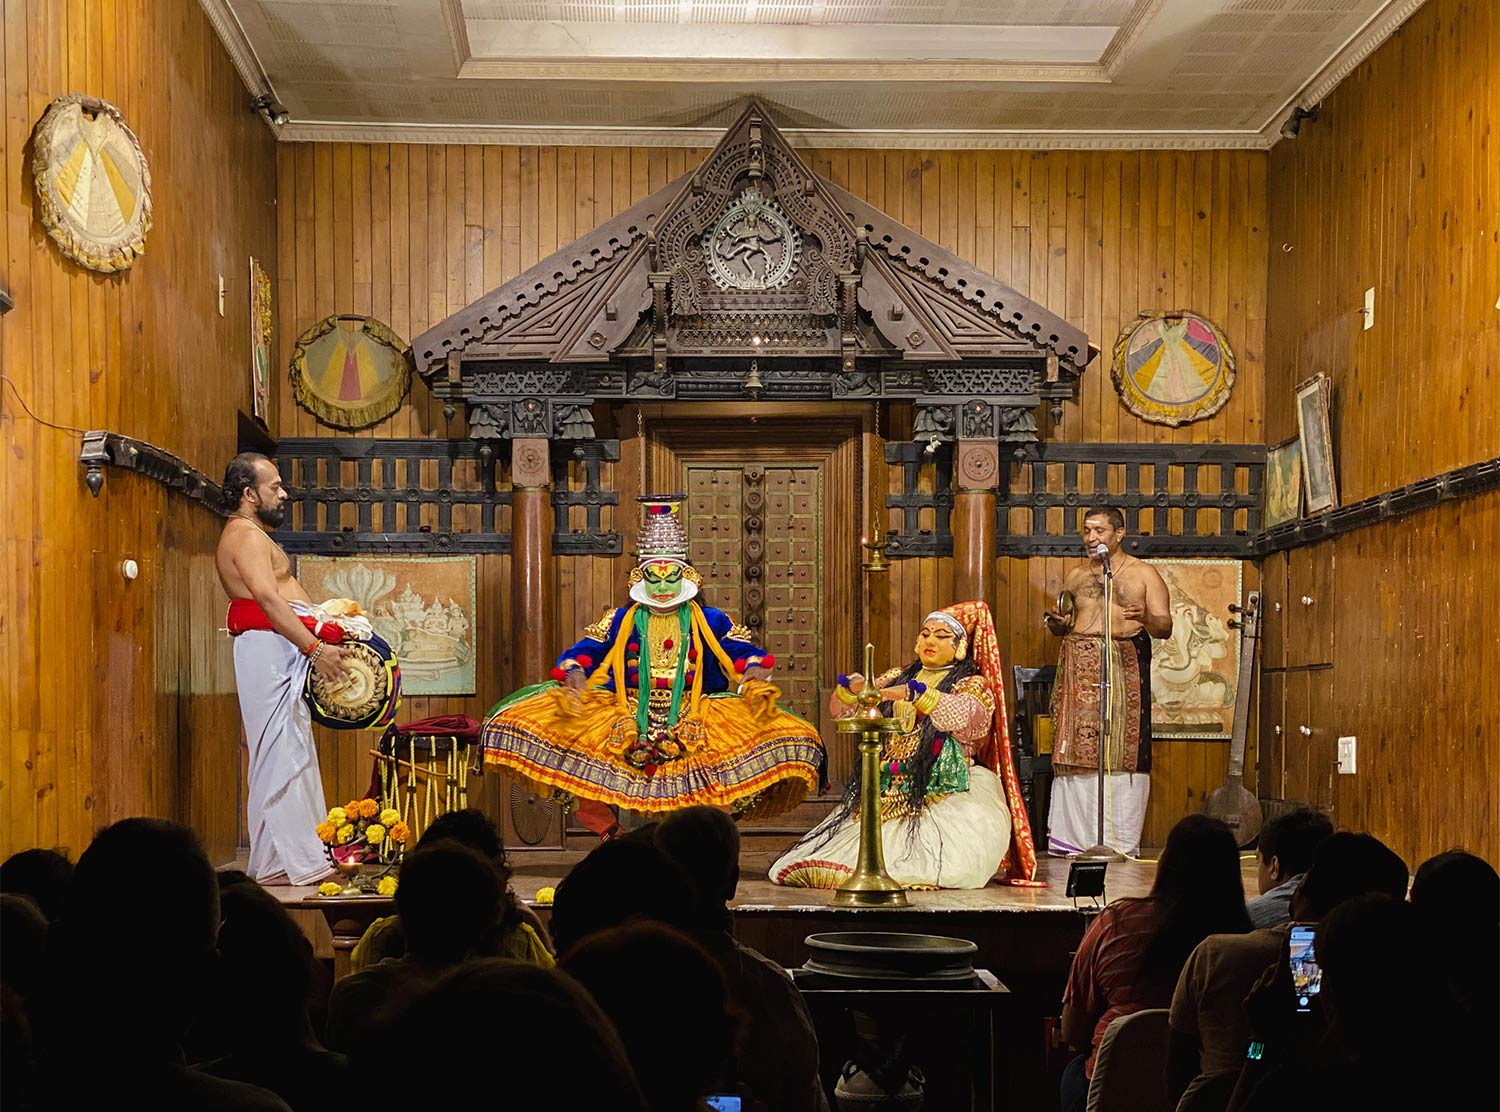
column 278, row 637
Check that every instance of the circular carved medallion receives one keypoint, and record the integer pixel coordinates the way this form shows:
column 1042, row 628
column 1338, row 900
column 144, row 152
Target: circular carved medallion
column 92, row 183
column 1173, row 368
column 753, row 246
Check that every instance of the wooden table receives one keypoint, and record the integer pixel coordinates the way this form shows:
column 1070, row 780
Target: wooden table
column 348, row 918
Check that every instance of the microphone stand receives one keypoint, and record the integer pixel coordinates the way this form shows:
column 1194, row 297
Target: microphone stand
column 1099, row 851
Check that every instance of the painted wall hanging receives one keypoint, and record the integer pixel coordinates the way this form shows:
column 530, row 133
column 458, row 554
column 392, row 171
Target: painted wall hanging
column 1173, row 368
column 424, row 608
column 350, row 372
column 260, row 341
column 1194, row 672
column 92, row 183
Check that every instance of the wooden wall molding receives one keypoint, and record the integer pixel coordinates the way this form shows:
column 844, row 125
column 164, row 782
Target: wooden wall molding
column 1425, row 494
column 103, row 449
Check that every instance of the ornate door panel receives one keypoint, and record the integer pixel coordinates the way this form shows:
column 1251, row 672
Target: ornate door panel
column 753, row 533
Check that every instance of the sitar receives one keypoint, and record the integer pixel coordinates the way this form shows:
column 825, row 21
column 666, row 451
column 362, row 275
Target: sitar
column 1232, row 803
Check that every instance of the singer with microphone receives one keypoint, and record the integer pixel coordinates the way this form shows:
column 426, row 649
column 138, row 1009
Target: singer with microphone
column 1141, row 610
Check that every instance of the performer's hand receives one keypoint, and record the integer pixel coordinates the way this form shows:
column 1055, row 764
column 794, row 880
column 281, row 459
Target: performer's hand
column 856, row 683
column 575, row 678
column 756, row 672
column 1133, row 613
column 893, row 694
column 330, row 662
column 1056, row 622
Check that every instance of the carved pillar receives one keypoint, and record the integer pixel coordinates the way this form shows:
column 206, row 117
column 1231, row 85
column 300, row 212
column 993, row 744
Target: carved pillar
column 976, row 470
column 531, row 561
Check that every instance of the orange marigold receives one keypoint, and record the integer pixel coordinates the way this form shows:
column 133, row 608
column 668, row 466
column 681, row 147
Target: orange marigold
column 352, row 808
column 326, row 832
column 399, row 832
column 368, row 808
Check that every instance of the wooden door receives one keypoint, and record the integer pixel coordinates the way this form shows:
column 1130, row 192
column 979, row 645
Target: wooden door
column 1309, row 606
column 753, row 535
column 1273, row 611
column 1311, row 740
column 1272, row 765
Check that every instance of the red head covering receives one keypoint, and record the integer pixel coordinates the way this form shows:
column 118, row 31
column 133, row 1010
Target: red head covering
column 994, row 753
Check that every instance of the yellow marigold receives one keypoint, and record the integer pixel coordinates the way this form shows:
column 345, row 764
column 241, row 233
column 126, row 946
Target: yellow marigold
column 352, row 807
column 346, row 832
column 337, row 816
column 389, row 817
column 399, row 833
column 368, row 808
column 374, row 833
column 386, row 886
column 544, row 896
column 330, row 888
column 326, row 832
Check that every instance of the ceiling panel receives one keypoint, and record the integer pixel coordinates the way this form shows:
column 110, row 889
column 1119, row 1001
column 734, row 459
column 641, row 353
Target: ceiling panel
column 1192, row 72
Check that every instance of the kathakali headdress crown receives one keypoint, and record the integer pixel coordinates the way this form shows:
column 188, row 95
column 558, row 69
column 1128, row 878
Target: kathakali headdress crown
column 662, row 535
column 663, row 544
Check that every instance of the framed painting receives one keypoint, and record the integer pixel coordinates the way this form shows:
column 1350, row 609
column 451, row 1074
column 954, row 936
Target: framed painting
column 1194, row 671
column 1283, row 483
column 260, row 341
column 424, row 607
column 1313, row 397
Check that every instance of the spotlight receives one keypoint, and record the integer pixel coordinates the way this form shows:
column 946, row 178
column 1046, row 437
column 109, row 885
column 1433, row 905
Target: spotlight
column 1293, row 123
column 274, row 110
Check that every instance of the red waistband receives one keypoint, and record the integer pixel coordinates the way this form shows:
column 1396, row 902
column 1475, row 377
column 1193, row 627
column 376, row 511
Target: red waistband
column 245, row 615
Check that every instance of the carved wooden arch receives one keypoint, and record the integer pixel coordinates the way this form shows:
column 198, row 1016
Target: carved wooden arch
column 864, row 308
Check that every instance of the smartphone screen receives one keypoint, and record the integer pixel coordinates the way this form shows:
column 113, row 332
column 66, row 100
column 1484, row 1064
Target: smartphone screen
column 723, row 1104
column 1307, row 978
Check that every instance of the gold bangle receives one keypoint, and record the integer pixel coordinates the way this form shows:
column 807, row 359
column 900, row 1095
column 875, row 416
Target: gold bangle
column 846, row 696
column 926, row 702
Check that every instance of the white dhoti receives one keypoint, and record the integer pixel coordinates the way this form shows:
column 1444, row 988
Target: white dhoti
column 959, row 842
column 286, row 791
column 1073, row 821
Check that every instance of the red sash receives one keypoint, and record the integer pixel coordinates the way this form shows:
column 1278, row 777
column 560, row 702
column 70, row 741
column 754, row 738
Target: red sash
column 245, row 615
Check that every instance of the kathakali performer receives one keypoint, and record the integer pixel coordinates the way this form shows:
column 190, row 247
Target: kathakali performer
column 664, row 703
column 951, row 810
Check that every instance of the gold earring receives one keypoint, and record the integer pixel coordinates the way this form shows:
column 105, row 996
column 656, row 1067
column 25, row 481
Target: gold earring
column 962, row 650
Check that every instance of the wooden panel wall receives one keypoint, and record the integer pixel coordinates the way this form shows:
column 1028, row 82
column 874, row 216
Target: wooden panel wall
column 1396, row 186
column 118, row 698
column 413, row 233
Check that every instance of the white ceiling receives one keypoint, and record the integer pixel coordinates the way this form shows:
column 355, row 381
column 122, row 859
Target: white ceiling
column 913, row 73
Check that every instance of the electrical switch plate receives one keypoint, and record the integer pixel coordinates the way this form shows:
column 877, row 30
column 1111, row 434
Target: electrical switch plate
column 1370, row 307
column 1347, row 746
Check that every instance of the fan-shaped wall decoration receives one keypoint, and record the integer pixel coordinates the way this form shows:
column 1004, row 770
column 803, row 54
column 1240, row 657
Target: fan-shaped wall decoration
column 1173, row 368
column 92, row 182
column 350, row 372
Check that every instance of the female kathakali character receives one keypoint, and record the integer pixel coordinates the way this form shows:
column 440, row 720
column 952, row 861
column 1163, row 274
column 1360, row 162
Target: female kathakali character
column 663, row 704
column 950, row 803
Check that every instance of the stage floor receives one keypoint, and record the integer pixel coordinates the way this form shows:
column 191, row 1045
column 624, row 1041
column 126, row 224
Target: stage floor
column 541, row 869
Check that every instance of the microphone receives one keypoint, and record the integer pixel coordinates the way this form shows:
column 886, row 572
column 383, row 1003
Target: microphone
column 1102, row 552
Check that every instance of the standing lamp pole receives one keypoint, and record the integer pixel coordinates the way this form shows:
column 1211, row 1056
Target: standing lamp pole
column 1100, row 851
column 871, row 885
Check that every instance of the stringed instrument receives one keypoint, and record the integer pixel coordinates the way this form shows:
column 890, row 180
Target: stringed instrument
column 1232, row 803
